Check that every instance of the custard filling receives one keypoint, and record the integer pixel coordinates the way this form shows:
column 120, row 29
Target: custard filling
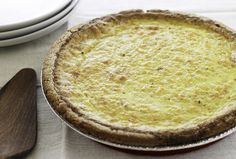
column 145, row 73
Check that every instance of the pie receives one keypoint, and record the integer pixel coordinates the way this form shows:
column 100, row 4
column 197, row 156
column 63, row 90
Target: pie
column 145, row 78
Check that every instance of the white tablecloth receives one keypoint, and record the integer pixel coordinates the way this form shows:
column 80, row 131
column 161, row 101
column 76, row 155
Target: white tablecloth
column 57, row 141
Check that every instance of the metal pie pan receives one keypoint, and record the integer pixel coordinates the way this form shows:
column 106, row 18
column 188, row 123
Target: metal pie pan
column 141, row 148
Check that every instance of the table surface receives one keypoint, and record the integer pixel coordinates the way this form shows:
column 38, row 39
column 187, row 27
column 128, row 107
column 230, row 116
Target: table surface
column 55, row 139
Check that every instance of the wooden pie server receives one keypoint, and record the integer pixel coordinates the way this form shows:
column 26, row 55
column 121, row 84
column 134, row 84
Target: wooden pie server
column 18, row 115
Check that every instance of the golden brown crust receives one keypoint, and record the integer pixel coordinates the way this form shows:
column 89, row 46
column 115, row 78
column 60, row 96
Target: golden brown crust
column 129, row 136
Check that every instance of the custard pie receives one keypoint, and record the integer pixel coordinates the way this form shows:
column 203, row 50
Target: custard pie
column 145, row 78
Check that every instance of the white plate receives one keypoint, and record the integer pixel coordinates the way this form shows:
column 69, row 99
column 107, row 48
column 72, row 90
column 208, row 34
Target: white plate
column 20, row 13
column 36, row 34
column 19, row 32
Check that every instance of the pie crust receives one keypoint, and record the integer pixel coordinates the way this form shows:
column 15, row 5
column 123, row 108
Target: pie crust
column 223, row 121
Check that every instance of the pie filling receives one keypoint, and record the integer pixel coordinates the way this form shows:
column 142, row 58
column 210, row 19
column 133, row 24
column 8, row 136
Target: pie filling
column 150, row 74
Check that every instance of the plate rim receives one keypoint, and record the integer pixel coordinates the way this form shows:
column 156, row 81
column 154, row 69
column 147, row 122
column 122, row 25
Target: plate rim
column 36, row 34
column 18, row 25
column 6, row 35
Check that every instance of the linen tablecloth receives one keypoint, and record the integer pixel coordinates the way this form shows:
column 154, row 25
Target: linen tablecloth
column 55, row 139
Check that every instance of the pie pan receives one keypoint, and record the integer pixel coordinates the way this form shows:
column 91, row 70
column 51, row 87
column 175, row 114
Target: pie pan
column 144, row 125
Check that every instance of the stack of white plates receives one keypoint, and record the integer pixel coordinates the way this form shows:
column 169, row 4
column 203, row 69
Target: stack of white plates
column 25, row 20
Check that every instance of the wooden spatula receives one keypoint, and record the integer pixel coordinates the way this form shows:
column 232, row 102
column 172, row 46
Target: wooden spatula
column 18, row 115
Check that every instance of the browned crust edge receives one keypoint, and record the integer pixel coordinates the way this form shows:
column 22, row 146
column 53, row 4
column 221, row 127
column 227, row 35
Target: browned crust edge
column 129, row 136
